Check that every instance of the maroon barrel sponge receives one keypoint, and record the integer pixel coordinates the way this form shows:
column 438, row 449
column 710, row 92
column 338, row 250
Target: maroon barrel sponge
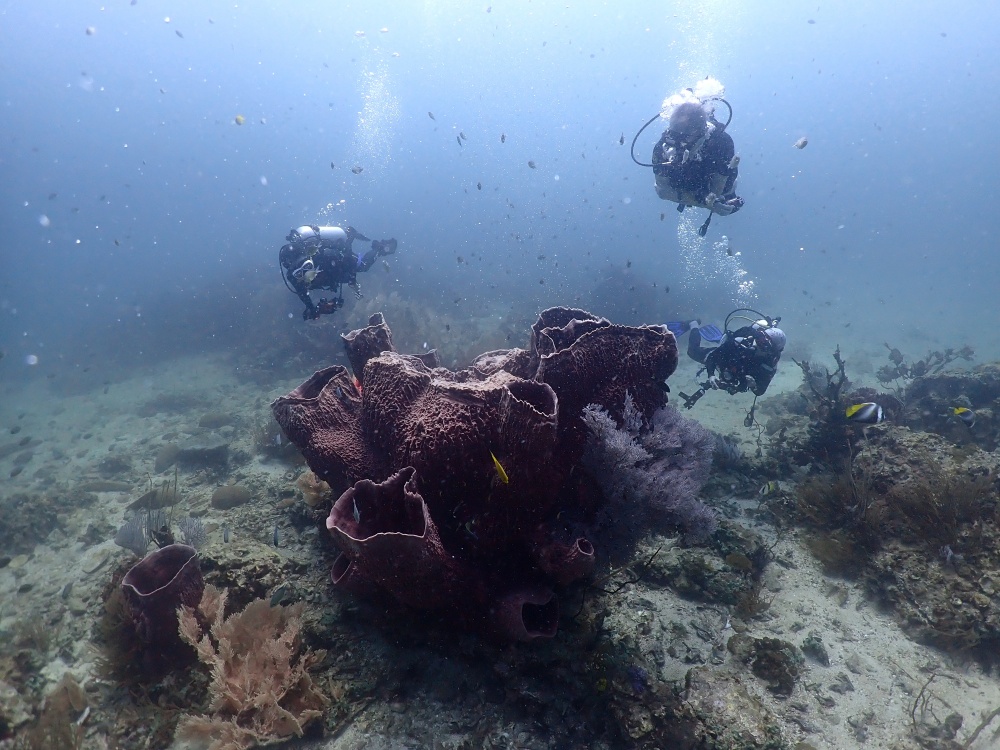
column 322, row 418
column 386, row 530
column 525, row 614
column 367, row 342
column 594, row 361
column 458, row 477
column 563, row 562
column 156, row 586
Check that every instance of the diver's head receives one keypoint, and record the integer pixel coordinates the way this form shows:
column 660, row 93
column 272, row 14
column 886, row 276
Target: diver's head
column 304, row 236
column 777, row 338
column 688, row 123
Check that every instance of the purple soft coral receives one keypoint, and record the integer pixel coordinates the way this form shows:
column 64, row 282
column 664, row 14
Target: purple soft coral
column 659, row 468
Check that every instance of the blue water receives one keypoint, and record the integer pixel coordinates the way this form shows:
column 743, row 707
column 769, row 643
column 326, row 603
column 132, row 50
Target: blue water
column 139, row 217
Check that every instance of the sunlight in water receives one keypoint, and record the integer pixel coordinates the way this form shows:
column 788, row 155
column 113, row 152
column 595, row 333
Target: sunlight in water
column 704, row 259
column 371, row 146
column 705, row 30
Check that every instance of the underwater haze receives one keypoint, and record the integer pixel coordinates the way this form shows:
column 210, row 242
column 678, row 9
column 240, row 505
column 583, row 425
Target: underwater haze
column 536, row 552
column 140, row 217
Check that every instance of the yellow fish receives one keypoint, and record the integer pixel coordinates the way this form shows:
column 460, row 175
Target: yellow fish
column 966, row 415
column 866, row 413
column 500, row 470
column 769, row 489
column 239, row 119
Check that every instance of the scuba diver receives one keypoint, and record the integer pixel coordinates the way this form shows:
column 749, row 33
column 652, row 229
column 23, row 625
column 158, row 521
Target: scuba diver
column 745, row 360
column 322, row 258
column 694, row 162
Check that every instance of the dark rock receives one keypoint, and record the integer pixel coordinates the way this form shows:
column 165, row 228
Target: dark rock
column 813, row 647
column 230, row 496
column 165, row 457
column 731, row 716
column 104, row 485
column 842, row 684
column 206, row 452
column 114, row 466
column 161, row 497
column 216, row 419
column 776, row 662
column 741, row 646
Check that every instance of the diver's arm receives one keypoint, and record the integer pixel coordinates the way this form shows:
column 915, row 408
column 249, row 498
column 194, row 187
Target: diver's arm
column 303, row 294
column 367, row 260
column 379, row 248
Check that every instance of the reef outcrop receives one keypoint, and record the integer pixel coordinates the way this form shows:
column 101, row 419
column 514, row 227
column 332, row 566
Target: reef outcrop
column 462, row 497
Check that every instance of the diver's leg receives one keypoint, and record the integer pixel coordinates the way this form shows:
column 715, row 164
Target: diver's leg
column 695, row 351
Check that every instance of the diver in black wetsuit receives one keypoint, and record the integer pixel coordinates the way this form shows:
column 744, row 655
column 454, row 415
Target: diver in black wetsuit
column 745, row 360
column 695, row 162
column 322, row 258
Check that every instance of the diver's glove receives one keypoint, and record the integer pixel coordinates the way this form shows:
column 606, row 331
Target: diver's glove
column 310, row 313
column 728, row 206
column 751, row 383
column 714, row 383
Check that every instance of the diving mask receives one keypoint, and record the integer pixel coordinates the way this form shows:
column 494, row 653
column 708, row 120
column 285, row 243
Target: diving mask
column 306, row 271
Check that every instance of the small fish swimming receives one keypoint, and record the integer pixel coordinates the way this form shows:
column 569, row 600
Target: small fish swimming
column 500, row 470
column 801, row 143
column 431, row 115
column 866, row 413
column 503, row 138
column 332, row 165
column 462, row 135
column 357, row 169
column 274, row 538
column 225, row 533
column 734, row 162
column 967, row 416
column 531, row 164
column 459, row 140
column 357, row 383
column 178, row 33
column 357, row 513
column 769, row 489
column 239, row 119
column 621, row 140
column 479, row 186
